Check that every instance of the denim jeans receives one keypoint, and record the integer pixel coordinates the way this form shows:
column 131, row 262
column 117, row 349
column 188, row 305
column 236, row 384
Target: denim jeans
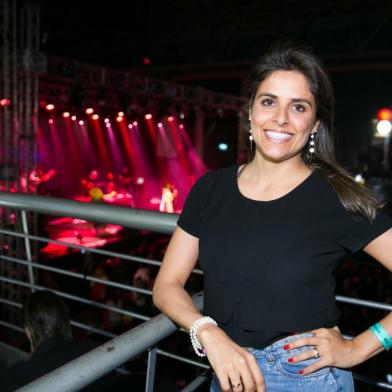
column 282, row 376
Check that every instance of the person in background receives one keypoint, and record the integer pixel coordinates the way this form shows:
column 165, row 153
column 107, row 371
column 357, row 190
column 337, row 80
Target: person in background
column 48, row 328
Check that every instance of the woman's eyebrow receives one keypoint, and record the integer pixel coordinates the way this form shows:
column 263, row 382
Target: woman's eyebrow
column 273, row 96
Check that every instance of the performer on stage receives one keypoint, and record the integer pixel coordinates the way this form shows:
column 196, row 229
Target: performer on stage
column 268, row 236
column 169, row 193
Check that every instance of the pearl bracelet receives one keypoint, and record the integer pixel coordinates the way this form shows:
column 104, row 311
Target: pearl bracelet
column 199, row 350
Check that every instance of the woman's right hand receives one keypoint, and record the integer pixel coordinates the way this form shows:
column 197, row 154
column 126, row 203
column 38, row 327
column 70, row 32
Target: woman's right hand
column 236, row 368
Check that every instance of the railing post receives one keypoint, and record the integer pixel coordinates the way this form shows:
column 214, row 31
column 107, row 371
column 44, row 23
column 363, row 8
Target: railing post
column 152, row 358
column 28, row 248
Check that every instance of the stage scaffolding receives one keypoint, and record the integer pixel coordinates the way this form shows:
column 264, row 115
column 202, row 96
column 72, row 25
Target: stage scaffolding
column 20, row 64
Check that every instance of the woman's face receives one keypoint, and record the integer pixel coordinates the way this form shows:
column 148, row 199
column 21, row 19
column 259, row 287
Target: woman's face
column 282, row 116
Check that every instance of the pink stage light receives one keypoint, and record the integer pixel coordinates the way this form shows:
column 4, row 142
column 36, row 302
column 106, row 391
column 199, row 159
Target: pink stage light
column 119, row 118
column 135, row 123
column 50, row 121
column 81, row 122
column 73, row 118
column 106, row 120
column 4, row 102
column 107, row 125
column 89, row 110
column 148, row 116
column 120, row 114
column 181, row 126
column 95, row 117
column 49, row 107
column 160, row 125
column 66, row 114
column 170, row 118
column 130, row 126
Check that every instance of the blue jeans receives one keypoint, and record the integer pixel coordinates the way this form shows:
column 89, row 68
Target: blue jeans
column 282, row 376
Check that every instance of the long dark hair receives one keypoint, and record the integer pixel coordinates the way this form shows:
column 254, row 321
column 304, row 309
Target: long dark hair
column 356, row 198
column 46, row 315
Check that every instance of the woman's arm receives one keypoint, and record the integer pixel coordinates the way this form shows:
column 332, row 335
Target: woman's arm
column 333, row 349
column 232, row 364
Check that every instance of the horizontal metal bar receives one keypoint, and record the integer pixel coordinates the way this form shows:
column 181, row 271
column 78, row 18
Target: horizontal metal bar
column 9, row 302
column 90, row 250
column 12, row 326
column 364, row 302
column 128, row 217
column 77, row 299
column 94, row 364
column 367, row 380
column 182, row 359
column 92, row 329
column 76, row 275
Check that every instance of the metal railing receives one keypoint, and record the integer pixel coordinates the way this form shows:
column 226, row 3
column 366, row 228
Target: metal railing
column 91, row 366
column 120, row 349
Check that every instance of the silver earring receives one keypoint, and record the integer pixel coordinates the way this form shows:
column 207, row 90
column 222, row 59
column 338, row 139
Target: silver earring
column 250, row 139
column 311, row 145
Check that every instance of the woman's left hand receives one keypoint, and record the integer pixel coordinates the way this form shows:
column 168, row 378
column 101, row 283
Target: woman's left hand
column 329, row 345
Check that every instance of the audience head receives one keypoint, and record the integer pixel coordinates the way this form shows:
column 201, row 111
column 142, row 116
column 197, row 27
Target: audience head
column 46, row 315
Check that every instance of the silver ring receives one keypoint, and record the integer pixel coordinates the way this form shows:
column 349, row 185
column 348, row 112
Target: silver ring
column 316, row 353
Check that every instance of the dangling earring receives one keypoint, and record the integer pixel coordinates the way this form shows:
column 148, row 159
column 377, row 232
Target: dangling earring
column 311, row 145
column 250, row 139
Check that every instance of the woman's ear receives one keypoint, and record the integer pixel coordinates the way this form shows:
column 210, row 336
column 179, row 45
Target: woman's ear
column 315, row 128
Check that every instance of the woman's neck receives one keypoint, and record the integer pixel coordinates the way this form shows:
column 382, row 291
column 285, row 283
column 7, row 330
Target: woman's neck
column 275, row 171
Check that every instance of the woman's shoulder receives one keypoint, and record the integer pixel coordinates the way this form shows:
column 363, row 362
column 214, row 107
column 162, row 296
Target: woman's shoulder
column 217, row 175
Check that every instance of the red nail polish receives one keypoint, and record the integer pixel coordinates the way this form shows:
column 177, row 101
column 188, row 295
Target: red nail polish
column 301, row 372
column 290, row 360
column 286, row 346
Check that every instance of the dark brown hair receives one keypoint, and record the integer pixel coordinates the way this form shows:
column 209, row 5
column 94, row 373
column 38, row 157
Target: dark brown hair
column 355, row 197
column 46, row 315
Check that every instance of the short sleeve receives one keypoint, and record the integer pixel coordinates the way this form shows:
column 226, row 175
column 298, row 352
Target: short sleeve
column 357, row 232
column 190, row 217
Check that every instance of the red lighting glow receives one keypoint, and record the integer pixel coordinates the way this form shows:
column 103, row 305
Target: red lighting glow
column 49, row 107
column 170, row 118
column 384, row 114
column 148, row 116
column 89, row 110
column 66, row 114
column 146, row 61
column 119, row 118
column 50, row 121
column 73, row 118
column 4, row 102
column 95, row 116
column 181, row 126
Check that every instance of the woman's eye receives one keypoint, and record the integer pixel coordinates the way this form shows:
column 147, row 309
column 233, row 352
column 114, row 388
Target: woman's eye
column 299, row 108
column 267, row 102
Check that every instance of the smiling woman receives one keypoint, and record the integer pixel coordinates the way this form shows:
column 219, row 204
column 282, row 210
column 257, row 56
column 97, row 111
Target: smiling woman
column 268, row 236
column 282, row 116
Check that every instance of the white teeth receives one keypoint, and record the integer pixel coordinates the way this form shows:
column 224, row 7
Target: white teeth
column 278, row 135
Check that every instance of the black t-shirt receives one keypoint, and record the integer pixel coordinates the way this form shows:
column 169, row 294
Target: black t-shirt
column 268, row 265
